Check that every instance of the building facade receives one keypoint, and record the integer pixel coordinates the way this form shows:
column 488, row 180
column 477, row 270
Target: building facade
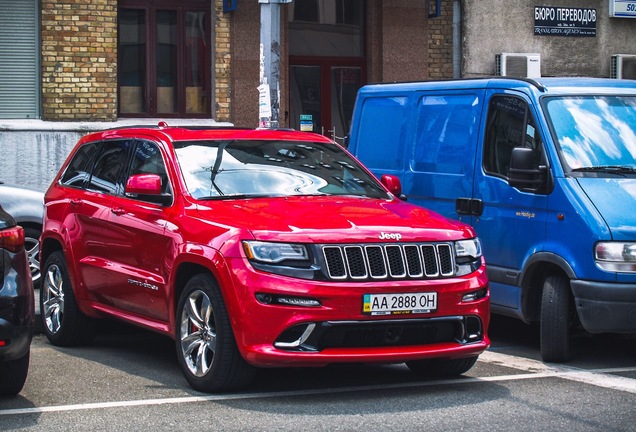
column 70, row 66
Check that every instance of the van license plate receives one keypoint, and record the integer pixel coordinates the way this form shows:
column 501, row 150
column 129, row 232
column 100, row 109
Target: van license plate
column 399, row 304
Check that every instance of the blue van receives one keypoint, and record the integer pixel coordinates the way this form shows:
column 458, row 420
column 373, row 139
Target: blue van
column 544, row 170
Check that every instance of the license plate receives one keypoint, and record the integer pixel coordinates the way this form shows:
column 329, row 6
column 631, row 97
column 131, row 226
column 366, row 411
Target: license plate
column 399, row 304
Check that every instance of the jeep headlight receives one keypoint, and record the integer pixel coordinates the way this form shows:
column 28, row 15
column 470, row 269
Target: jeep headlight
column 467, row 256
column 275, row 253
column 616, row 256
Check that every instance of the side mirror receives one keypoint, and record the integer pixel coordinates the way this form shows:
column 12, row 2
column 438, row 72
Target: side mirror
column 393, row 184
column 146, row 187
column 524, row 173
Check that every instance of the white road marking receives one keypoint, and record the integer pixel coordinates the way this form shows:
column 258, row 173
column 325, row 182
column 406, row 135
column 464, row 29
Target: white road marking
column 596, row 377
column 535, row 369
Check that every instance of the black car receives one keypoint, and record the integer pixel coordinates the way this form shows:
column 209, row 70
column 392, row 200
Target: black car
column 17, row 307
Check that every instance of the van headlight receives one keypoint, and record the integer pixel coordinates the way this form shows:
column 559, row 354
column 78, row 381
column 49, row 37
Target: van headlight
column 616, row 256
column 467, row 256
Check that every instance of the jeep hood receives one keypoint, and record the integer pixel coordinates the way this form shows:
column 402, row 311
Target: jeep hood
column 615, row 199
column 333, row 219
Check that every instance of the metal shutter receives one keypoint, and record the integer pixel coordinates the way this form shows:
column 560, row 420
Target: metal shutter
column 19, row 59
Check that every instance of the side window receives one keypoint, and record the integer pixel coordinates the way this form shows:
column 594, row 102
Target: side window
column 382, row 136
column 510, row 124
column 446, row 129
column 78, row 170
column 147, row 160
column 109, row 166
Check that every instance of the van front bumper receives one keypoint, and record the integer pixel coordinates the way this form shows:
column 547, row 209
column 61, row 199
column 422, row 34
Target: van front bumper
column 605, row 307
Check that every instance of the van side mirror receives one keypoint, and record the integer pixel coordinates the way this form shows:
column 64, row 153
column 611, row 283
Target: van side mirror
column 393, row 184
column 524, row 173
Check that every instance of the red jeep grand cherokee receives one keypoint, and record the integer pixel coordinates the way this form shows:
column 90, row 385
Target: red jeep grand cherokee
column 256, row 248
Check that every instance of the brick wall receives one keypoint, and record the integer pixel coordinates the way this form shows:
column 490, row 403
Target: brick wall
column 222, row 64
column 440, row 43
column 79, row 60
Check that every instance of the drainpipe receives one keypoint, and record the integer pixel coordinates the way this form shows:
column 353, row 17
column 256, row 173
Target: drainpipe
column 457, row 39
column 269, row 82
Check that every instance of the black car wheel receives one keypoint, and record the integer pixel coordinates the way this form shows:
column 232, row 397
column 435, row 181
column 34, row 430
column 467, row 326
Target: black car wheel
column 32, row 246
column 206, row 347
column 557, row 319
column 64, row 324
column 13, row 374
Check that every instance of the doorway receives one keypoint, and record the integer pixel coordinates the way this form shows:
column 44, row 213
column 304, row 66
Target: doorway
column 327, row 64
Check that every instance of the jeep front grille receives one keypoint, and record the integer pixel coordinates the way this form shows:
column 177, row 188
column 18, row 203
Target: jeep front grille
column 389, row 261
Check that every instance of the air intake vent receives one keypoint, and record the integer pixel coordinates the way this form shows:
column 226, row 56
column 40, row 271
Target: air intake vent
column 389, row 261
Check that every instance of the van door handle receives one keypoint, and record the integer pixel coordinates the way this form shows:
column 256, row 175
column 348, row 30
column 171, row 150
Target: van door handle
column 469, row 206
column 118, row 211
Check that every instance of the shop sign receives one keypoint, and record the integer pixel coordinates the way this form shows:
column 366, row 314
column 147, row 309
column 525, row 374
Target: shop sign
column 623, row 8
column 564, row 21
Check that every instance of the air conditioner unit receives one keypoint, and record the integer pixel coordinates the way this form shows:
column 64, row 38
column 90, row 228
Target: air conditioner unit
column 623, row 66
column 523, row 65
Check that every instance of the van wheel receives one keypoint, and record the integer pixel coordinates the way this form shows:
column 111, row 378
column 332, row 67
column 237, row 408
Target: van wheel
column 62, row 321
column 13, row 374
column 206, row 348
column 557, row 317
column 438, row 368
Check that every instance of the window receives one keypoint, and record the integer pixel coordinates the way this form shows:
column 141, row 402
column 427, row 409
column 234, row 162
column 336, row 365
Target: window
column 79, row 168
column 446, row 129
column 107, row 172
column 383, row 144
column 164, row 55
column 510, row 124
column 147, row 160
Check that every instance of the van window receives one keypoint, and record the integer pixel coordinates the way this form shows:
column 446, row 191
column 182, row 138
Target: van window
column 383, row 133
column 446, row 129
column 510, row 124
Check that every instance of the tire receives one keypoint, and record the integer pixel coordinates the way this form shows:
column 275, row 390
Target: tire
column 440, row 368
column 206, row 348
column 557, row 318
column 62, row 322
column 13, row 375
column 32, row 246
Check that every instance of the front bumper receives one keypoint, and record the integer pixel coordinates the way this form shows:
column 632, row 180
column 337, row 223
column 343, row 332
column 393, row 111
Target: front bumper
column 337, row 331
column 605, row 307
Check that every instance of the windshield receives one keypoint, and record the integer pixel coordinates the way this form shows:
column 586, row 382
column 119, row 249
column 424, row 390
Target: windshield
column 231, row 169
column 595, row 133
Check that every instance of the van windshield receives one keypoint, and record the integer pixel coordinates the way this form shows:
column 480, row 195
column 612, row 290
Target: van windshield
column 252, row 169
column 595, row 134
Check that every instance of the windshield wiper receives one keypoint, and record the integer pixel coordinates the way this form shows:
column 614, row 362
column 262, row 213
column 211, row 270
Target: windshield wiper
column 610, row 169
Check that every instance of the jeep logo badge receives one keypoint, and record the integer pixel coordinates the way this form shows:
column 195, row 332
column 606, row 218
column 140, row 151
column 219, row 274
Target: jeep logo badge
column 390, row 236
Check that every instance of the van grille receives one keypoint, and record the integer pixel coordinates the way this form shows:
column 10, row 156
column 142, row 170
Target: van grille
column 389, row 261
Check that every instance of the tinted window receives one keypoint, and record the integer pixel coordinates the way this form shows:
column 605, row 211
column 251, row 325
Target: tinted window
column 217, row 169
column 510, row 125
column 446, row 128
column 147, row 160
column 78, row 170
column 382, row 135
column 109, row 167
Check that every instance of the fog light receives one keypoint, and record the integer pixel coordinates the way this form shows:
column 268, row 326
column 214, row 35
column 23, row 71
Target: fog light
column 475, row 295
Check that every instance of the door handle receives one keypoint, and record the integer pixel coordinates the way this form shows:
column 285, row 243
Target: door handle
column 118, row 211
column 469, row 206
column 76, row 202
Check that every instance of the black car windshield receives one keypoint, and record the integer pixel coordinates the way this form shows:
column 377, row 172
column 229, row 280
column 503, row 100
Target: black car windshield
column 242, row 168
column 596, row 134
